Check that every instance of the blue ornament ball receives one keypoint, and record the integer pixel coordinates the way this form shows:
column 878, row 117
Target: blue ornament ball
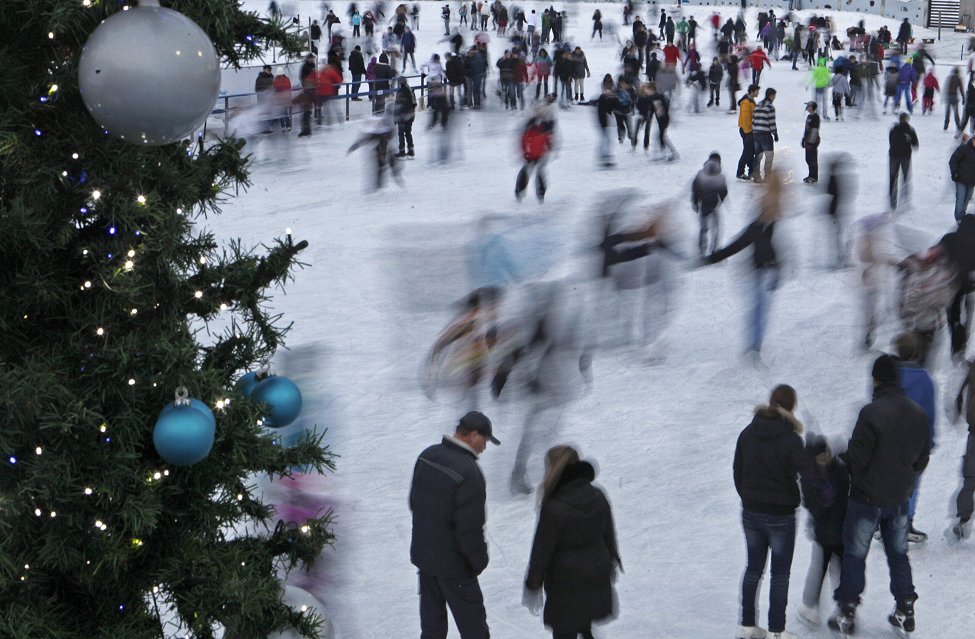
column 245, row 385
column 184, row 434
column 283, row 400
column 196, row 404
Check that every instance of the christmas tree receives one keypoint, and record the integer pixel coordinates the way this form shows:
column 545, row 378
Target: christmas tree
column 113, row 297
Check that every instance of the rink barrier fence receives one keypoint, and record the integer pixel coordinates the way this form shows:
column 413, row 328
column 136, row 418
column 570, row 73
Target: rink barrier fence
column 345, row 94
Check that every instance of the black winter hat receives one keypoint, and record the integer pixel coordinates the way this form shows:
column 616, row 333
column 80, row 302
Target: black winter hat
column 885, row 370
column 715, row 156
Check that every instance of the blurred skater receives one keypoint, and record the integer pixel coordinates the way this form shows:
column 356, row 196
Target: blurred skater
column 537, row 140
column 765, row 261
column 574, row 554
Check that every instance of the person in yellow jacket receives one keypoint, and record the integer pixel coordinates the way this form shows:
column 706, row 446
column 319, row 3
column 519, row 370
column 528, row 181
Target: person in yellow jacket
column 746, row 111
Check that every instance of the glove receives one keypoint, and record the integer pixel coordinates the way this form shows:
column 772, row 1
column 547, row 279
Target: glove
column 776, row 137
column 803, row 144
column 954, row 177
column 532, row 599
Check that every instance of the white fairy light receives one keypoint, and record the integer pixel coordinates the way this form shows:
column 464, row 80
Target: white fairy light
column 131, row 382
column 96, row 195
column 100, row 331
column 88, row 491
column 198, row 294
column 141, row 199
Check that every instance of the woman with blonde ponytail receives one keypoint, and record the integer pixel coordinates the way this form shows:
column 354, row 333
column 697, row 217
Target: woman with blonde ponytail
column 574, row 554
column 765, row 261
column 768, row 458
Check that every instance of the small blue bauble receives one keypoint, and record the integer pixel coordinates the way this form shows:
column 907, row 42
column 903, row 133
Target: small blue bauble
column 245, row 385
column 282, row 398
column 196, row 404
column 183, row 434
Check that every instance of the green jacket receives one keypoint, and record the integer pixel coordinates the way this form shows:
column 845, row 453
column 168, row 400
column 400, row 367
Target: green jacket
column 682, row 26
column 821, row 74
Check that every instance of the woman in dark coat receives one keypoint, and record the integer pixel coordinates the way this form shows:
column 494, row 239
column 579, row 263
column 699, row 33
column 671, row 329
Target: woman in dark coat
column 574, row 555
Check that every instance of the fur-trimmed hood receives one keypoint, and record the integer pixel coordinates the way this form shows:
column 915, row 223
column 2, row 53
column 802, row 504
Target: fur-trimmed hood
column 770, row 414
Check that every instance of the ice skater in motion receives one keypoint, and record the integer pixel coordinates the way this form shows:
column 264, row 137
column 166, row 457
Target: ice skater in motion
column 537, row 140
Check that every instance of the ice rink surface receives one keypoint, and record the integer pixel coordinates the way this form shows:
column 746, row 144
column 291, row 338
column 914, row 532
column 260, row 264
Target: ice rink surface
column 382, row 269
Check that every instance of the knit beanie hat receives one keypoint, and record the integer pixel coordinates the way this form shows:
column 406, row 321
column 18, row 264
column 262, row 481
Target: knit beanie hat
column 885, row 370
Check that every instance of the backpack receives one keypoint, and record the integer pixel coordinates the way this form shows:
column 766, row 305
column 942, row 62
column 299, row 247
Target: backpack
column 625, row 100
column 926, row 290
column 535, row 142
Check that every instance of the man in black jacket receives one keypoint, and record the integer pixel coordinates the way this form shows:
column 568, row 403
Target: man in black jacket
column 357, row 67
column 448, row 547
column 888, row 449
column 903, row 140
column 962, row 167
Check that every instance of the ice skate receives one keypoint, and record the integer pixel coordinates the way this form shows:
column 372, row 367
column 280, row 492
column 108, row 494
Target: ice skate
column 902, row 619
column 751, row 632
column 959, row 531
column 843, row 621
column 809, row 616
column 785, row 634
column 915, row 536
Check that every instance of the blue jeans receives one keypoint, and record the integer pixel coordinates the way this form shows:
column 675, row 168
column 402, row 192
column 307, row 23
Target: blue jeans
column 963, row 195
column 905, row 90
column 912, row 502
column 763, row 533
column 765, row 281
column 861, row 520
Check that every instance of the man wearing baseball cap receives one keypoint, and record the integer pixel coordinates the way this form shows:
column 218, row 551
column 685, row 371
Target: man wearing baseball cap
column 448, row 548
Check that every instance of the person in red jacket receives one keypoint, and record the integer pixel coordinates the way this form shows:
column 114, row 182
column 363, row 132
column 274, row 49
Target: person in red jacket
column 758, row 60
column 327, row 90
column 931, row 85
column 537, row 139
column 671, row 55
column 282, row 98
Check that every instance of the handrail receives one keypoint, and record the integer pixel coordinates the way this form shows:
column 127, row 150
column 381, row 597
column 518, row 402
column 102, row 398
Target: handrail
column 347, row 96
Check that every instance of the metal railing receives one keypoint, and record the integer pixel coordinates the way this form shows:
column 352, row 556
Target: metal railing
column 346, row 96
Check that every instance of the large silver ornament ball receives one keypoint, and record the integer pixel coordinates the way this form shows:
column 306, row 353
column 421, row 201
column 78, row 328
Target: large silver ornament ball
column 149, row 75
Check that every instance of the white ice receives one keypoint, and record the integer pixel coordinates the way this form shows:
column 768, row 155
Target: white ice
column 382, row 268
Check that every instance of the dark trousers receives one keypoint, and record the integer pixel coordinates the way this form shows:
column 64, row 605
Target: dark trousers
column 356, row 77
column 521, row 183
column 641, row 122
column 572, row 634
column 540, row 85
column 812, row 160
column 747, row 152
column 966, row 496
column 957, row 325
column 899, row 165
column 715, row 94
column 764, row 533
column 466, row 603
column 405, row 130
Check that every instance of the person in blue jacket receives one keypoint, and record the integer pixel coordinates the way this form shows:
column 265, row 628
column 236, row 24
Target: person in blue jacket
column 919, row 388
column 906, row 77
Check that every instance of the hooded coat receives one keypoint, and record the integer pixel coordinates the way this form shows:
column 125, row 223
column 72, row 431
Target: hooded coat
column 709, row 188
column 574, row 554
column 768, row 458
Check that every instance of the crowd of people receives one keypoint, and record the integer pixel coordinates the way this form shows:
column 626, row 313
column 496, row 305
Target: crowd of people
column 853, row 491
